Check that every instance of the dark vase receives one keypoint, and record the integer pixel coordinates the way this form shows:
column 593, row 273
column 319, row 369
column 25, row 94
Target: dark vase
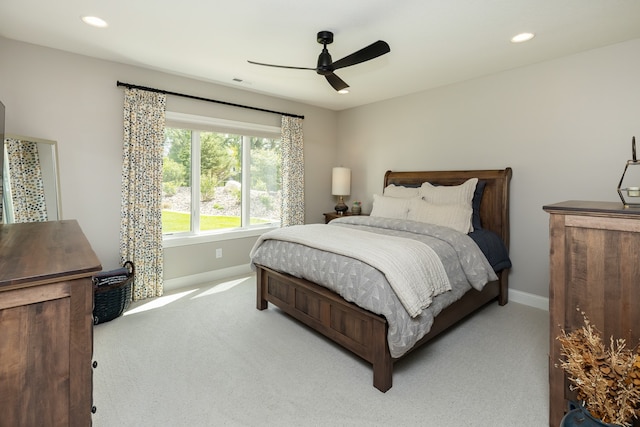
column 579, row 416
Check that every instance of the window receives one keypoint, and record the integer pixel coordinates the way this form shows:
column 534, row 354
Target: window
column 219, row 176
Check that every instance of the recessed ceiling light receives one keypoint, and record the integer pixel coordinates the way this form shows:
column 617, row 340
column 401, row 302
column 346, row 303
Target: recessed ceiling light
column 343, row 91
column 522, row 37
column 94, row 21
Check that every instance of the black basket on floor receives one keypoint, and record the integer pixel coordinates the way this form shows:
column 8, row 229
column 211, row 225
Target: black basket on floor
column 112, row 293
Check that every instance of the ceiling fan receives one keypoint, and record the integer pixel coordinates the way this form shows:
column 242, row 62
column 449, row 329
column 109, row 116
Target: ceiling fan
column 326, row 66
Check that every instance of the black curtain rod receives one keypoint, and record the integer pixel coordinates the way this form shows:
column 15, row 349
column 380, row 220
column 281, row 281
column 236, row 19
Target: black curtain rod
column 150, row 89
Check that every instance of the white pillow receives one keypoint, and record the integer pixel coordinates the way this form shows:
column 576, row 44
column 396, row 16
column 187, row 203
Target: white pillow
column 454, row 216
column 390, row 207
column 393, row 190
column 449, row 194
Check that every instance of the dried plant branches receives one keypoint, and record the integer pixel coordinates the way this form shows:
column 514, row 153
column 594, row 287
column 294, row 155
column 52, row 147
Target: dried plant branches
column 607, row 380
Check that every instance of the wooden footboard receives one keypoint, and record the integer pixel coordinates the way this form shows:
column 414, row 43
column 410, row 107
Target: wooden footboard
column 357, row 330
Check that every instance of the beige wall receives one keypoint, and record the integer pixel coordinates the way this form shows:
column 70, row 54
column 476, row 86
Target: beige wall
column 564, row 126
column 74, row 100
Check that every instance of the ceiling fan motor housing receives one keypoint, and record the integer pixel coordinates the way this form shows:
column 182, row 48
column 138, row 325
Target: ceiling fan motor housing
column 324, row 59
column 324, row 63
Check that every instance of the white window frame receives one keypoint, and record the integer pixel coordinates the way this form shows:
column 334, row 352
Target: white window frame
column 219, row 125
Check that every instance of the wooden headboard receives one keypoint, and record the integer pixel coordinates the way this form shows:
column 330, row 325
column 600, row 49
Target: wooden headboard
column 494, row 209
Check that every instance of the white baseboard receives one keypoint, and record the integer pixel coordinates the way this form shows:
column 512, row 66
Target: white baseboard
column 206, row 277
column 531, row 300
column 516, row 296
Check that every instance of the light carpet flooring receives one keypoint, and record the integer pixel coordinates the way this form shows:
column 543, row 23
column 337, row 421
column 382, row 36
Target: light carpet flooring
column 205, row 356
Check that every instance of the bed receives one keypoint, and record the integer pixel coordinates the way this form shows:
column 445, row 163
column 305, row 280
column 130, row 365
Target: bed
column 363, row 328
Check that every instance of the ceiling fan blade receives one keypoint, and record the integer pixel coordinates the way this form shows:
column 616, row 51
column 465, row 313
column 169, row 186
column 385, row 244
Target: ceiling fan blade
column 335, row 81
column 280, row 66
column 365, row 54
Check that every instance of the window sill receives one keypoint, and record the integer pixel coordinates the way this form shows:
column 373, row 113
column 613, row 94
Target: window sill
column 170, row 241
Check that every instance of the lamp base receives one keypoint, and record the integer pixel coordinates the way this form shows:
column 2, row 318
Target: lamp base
column 341, row 208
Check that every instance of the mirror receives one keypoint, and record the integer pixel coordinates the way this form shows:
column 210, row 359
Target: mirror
column 30, row 182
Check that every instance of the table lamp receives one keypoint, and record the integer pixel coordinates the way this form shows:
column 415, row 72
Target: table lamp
column 341, row 186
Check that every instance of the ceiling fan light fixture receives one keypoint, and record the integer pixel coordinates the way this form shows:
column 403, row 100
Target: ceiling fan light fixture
column 343, row 91
column 94, row 21
column 522, row 37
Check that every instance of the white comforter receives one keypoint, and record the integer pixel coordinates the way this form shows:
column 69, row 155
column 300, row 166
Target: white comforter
column 412, row 268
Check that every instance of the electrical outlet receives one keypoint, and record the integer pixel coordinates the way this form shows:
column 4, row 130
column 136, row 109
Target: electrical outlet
column 219, row 253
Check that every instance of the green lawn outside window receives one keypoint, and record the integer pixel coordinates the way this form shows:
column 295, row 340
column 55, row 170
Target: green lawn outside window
column 180, row 222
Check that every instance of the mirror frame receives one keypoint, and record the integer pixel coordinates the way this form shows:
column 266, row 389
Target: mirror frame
column 54, row 165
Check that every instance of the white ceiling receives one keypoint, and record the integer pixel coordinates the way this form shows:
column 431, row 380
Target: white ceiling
column 433, row 42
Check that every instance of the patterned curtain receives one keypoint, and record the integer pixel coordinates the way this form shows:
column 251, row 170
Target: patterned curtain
column 141, row 212
column 292, row 144
column 25, row 181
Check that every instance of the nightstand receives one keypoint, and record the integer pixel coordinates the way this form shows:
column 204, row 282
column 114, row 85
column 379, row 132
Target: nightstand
column 333, row 215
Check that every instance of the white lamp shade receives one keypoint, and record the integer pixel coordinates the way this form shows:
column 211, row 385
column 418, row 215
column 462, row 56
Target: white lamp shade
column 341, row 182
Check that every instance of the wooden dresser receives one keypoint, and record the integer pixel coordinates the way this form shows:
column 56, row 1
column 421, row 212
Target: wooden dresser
column 595, row 265
column 46, row 326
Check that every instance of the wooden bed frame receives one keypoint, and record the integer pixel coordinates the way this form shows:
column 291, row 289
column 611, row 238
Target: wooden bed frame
column 365, row 333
